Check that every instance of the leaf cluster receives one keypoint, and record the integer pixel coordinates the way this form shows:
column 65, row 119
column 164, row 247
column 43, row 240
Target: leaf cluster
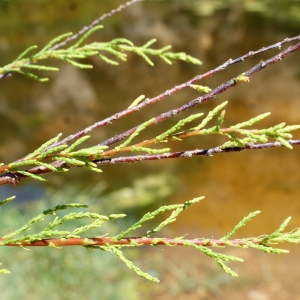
column 117, row 48
column 53, row 236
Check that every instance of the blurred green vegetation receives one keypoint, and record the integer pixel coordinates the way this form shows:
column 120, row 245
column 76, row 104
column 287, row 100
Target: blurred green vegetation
column 287, row 11
column 53, row 12
column 46, row 18
column 76, row 272
column 47, row 11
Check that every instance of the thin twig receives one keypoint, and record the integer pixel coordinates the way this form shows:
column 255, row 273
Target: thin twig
column 191, row 153
column 148, row 101
column 15, row 177
column 94, row 23
column 84, row 29
column 221, row 88
column 107, row 241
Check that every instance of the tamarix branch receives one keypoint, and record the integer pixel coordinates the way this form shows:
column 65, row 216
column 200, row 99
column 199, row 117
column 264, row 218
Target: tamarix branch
column 61, row 154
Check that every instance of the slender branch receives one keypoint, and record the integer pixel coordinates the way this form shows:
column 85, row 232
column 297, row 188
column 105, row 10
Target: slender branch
column 64, row 157
column 93, row 24
column 84, row 30
column 107, row 241
column 179, row 135
column 15, row 177
column 163, row 95
column 221, row 88
column 185, row 154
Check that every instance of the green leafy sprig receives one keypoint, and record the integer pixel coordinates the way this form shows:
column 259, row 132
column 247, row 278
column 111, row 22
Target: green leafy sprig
column 19, row 238
column 52, row 236
column 280, row 133
column 118, row 48
column 93, row 156
column 65, row 155
column 62, row 153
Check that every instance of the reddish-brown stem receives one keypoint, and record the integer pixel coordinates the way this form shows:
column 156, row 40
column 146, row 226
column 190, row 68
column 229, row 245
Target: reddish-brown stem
column 221, row 88
column 15, row 177
column 106, row 241
column 163, row 95
column 197, row 152
column 93, row 24
column 5, row 168
column 182, row 135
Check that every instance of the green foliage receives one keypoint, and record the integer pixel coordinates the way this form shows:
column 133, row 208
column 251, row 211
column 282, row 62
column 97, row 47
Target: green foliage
column 177, row 209
column 117, row 48
column 48, row 231
column 53, row 227
column 3, row 202
column 115, row 244
column 85, row 156
column 63, row 153
column 53, row 272
column 139, row 129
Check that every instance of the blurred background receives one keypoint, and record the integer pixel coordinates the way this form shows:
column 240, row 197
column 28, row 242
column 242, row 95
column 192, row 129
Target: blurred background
column 234, row 184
